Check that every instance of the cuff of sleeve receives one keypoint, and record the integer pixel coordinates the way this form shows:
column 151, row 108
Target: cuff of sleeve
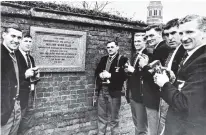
column 165, row 86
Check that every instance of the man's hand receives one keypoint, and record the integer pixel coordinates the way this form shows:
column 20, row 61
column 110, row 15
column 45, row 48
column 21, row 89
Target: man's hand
column 143, row 60
column 161, row 79
column 29, row 73
column 105, row 74
column 129, row 69
column 171, row 75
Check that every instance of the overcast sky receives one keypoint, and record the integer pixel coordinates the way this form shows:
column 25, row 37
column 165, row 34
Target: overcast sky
column 171, row 8
column 137, row 9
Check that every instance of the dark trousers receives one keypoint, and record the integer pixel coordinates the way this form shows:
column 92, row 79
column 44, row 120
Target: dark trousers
column 12, row 125
column 146, row 120
column 108, row 112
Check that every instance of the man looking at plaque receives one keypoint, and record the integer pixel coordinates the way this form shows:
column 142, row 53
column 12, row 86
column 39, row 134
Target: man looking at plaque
column 10, row 104
column 187, row 96
column 27, row 72
column 110, row 78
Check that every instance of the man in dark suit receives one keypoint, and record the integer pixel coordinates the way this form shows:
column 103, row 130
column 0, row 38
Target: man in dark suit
column 10, row 106
column 136, row 87
column 151, row 97
column 172, row 38
column 155, row 40
column 110, row 78
column 187, row 96
column 27, row 71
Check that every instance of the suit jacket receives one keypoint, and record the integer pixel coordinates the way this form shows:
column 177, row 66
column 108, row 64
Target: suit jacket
column 117, row 78
column 161, row 52
column 151, row 93
column 24, row 83
column 139, row 88
column 187, row 104
column 8, row 85
column 177, row 59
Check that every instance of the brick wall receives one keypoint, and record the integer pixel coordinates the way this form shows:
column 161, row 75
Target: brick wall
column 63, row 101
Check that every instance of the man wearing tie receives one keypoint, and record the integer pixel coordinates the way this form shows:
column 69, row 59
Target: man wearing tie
column 27, row 71
column 111, row 76
column 187, row 96
column 135, row 87
column 10, row 104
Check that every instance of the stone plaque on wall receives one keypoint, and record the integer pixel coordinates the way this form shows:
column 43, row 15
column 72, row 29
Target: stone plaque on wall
column 58, row 50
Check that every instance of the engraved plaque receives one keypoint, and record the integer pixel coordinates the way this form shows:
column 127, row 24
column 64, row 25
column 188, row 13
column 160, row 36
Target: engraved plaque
column 58, row 50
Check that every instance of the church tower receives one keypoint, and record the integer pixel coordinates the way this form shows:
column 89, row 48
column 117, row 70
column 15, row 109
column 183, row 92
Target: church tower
column 154, row 14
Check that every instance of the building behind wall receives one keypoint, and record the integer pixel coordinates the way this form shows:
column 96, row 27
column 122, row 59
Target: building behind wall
column 155, row 12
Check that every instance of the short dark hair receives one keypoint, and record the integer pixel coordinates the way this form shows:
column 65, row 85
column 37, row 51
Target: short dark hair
column 111, row 42
column 157, row 28
column 115, row 41
column 7, row 29
column 171, row 23
column 27, row 35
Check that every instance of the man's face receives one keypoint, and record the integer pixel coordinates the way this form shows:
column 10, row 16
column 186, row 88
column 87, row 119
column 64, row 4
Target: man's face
column 26, row 44
column 112, row 48
column 172, row 36
column 153, row 37
column 12, row 38
column 190, row 35
column 139, row 42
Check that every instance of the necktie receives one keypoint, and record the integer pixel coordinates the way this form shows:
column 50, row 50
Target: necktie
column 28, row 61
column 182, row 61
column 12, row 56
column 135, row 60
column 169, row 58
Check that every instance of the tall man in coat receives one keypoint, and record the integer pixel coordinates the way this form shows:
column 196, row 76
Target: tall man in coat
column 10, row 104
column 136, row 87
column 187, row 96
column 151, row 97
column 27, row 71
column 172, row 38
column 111, row 76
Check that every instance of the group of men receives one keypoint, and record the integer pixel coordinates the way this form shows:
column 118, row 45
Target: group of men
column 18, row 77
column 170, row 65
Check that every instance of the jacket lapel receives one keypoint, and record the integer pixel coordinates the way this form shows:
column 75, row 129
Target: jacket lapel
column 196, row 54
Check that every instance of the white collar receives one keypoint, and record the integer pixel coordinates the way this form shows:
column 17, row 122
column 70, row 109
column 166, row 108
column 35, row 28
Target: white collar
column 157, row 44
column 192, row 51
column 10, row 51
column 113, row 55
column 140, row 50
column 23, row 52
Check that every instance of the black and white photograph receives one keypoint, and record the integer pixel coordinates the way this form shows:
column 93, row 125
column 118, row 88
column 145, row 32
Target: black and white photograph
column 74, row 67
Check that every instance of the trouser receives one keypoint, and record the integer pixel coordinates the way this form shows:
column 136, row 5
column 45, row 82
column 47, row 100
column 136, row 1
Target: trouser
column 146, row 120
column 163, row 113
column 153, row 119
column 139, row 117
column 12, row 125
column 22, row 123
column 108, row 108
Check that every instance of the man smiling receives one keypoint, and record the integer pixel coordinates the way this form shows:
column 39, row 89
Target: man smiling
column 10, row 104
column 187, row 97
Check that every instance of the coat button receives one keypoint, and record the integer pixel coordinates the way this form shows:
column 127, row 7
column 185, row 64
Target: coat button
column 15, row 86
column 29, row 86
column 14, row 98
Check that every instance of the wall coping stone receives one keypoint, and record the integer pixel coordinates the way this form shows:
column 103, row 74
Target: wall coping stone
column 10, row 8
